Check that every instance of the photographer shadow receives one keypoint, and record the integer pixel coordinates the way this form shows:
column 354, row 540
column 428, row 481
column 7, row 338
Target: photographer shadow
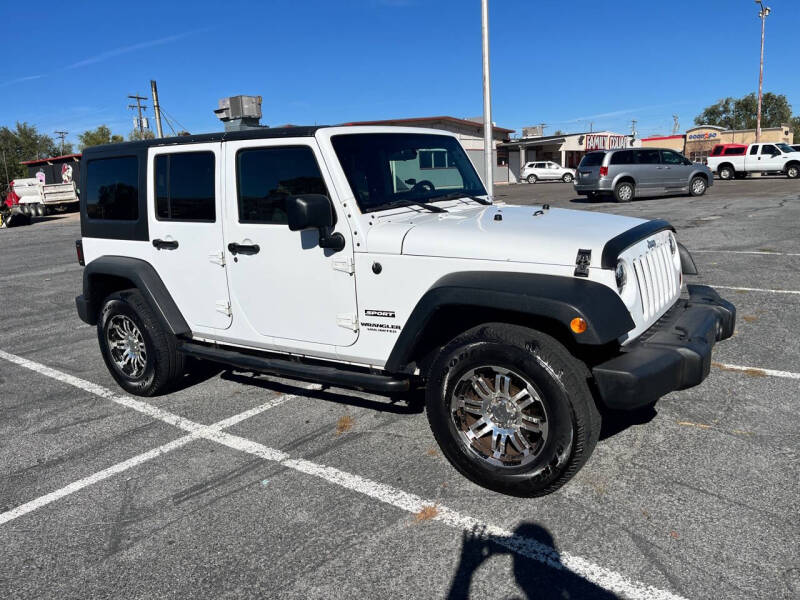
column 543, row 578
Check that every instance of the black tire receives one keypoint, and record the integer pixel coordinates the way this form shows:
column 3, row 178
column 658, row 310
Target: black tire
column 567, row 178
column 164, row 365
column 624, row 191
column 532, row 178
column 572, row 416
column 726, row 172
column 698, row 186
column 793, row 171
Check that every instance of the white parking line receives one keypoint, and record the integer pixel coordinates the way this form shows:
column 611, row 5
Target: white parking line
column 606, row 578
column 206, row 432
column 761, row 252
column 748, row 289
column 757, row 371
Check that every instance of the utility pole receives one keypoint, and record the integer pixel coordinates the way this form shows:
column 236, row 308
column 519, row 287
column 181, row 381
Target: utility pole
column 5, row 164
column 156, row 107
column 61, row 134
column 633, row 128
column 488, row 130
column 763, row 14
column 139, row 107
column 676, row 126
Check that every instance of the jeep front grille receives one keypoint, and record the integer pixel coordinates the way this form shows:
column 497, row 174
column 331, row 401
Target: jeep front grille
column 659, row 283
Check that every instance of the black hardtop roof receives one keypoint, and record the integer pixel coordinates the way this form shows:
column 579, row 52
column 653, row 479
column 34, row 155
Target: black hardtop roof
column 248, row 134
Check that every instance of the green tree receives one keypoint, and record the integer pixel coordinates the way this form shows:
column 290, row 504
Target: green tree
column 19, row 144
column 98, row 137
column 145, row 134
column 741, row 113
column 795, row 125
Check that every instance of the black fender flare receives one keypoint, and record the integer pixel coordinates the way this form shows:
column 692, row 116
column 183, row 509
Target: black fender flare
column 561, row 298
column 143, row 277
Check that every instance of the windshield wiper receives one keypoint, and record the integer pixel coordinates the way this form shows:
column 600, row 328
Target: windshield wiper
column 406, row 202
column 454, row 195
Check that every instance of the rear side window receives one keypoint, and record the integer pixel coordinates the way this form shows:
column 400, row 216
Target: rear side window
column 734, row 151
column 265, row 177
column 647, row 156
column 185, row 188
column 112, row 189
column 754, row 150
column 593, row 159
column 671, row 158
column 716, row 151
column 621, row 158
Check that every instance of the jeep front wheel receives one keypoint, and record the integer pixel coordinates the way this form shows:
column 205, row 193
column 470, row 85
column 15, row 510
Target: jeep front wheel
column 511, row 410
column 139, row 354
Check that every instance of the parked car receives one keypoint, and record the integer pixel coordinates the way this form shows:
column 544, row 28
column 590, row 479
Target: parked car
column 546, row 170
column 338, row 255
column 795, row 147
column 638, row 172
column 731, row 161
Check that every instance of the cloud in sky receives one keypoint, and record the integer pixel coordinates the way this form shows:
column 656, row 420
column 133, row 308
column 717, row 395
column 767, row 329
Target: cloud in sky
column 20, row 80
column 132, row 48
column 619, row 113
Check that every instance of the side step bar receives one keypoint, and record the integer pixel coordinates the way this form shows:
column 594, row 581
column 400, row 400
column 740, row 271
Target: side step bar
column 359, row 380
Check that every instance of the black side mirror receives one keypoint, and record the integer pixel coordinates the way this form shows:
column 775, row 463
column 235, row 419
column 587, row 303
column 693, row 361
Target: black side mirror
column 314, row 211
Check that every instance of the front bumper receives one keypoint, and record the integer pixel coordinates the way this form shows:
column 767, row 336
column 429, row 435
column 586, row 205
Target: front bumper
column 674, row 354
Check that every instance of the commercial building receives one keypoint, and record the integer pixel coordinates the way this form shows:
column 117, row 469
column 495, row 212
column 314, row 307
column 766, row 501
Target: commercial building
column 696, row 143
column 469, row 132
column 567, row 149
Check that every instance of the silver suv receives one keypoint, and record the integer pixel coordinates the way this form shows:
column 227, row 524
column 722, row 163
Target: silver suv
column 639, row 172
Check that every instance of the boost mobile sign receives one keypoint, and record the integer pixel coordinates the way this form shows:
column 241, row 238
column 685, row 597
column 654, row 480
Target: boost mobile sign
column 605, row 142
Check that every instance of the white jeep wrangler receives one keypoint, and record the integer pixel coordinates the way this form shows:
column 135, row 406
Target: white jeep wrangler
column 370, row 258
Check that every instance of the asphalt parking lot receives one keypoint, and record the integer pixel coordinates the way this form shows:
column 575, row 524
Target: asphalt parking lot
column 251, row 486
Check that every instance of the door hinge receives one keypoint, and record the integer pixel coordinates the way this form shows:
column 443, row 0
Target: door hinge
column 346, row 265
column 224, row 307
column 218, row 258
column 348, row 321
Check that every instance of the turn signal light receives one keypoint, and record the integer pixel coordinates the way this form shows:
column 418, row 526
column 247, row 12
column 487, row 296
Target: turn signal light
column 578, row 325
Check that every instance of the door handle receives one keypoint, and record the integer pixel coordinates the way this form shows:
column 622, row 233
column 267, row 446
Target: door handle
column 235, row 248
column 165, row 244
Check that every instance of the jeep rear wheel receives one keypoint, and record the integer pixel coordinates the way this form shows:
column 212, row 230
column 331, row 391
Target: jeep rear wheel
column 139, row 354
column 511, row 410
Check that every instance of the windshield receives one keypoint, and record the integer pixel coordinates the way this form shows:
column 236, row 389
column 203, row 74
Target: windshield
column 384, row 169
column 786, row 147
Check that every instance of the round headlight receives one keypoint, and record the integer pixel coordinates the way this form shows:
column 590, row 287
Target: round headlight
column 621, row 275
column 673, row 245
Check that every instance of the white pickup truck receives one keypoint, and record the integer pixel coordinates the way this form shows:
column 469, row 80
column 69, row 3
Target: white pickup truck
column 730, row 161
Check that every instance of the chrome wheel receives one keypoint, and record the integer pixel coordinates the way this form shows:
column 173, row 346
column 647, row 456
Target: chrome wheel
column 531, row 178
column 567, row 178
column 499, row 416
column 126, row 346
column 698, row 186
column 793, row 172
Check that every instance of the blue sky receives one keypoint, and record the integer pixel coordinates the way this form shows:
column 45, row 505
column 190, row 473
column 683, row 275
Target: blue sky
column 563, row 63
